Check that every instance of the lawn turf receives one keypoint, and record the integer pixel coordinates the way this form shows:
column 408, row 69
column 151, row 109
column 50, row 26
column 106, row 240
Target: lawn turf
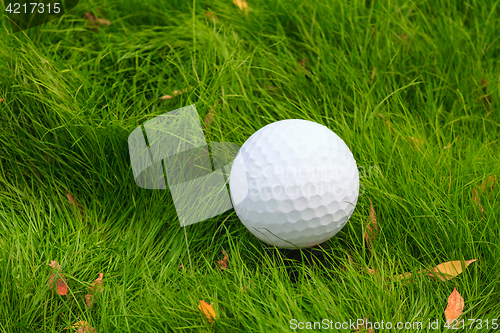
column 412, row 87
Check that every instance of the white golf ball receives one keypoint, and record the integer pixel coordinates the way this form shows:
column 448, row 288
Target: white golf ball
column 294, row 183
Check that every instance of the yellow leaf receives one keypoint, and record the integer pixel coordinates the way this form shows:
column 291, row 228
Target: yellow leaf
column 448, row 270
column 445, row 271
column 242, row 4
column 454, row 308
column 207, row 310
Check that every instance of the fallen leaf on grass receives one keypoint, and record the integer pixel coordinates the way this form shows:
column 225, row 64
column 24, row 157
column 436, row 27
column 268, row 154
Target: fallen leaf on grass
column 242, row 5
column 454, row 308
column 372, row 77
column 96, row 287
column 95, row 22
column 61, row 284
column 445, row 271
column 224, row 262
column 89, row 300
column 371, row 233
column 1, row 100
column 82, row 327
column 207, row 310
column 175, row 93
column 448, row 270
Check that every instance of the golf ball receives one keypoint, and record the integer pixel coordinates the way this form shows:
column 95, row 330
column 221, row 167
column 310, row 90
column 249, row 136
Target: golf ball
column 294, row 183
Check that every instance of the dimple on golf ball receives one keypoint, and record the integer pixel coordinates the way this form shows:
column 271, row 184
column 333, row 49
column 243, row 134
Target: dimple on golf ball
column 294, row 183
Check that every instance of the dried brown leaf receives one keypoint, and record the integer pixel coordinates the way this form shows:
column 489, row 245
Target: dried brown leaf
column 98, row 285
column 60, row 283
column 207, row 310
column 454, row 308
column 62, row 287
column 89, row 299
column 54, row 264
column 94, row 21
column 224, row 262
column 372, row 77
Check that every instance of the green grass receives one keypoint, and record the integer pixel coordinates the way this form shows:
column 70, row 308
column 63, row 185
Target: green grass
column 75, row 95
